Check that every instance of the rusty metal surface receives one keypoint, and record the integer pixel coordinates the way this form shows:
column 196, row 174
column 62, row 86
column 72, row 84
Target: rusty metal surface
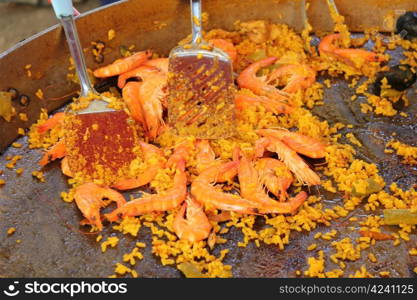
column 51, row 244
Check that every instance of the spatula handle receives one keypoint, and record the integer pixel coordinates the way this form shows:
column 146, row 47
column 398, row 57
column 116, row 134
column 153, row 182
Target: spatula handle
column 62, row 8
column 196, row 22
column 64, row 12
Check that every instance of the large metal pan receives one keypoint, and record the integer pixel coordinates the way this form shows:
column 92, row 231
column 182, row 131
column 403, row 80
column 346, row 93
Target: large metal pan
column 48, row 228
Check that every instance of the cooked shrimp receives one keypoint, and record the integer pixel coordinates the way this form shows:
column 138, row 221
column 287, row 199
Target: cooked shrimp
column 167, row 200
column 248, row 79
column 298, row 142
column 182, row 151
column 55, row 120
column 326, row 45
column 290, row 206
column 358, row 57
column 291, row 159
column 89, row 198
column 268, row 168
column 130, row 94
column 143, row 73
column 154, row 158
column 225, row 46
column 219, row 217
column 160, row 63
column 57, row 151
column 354, row 57
column 243, row 101
column 300, row 76
column 65, row 168
column 251, row 189
column 249, row 180
column 151, row 95
column 196, row 227
column 123, row 65
column 205, row 156
column 205, row 193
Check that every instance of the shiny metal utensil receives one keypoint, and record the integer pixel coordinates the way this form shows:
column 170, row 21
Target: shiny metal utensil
column 97, row 136
column 201, row 88
column 65, row 13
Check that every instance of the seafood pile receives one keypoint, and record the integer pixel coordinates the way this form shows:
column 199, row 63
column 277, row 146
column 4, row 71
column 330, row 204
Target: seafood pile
column 145, row 102
column 275, row 166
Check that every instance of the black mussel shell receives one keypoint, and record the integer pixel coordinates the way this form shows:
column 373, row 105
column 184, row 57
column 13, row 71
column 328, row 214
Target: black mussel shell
column 399, row 77
column 407, row 25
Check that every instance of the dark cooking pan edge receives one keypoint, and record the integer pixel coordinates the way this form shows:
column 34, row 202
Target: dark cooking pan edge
column 52, row 246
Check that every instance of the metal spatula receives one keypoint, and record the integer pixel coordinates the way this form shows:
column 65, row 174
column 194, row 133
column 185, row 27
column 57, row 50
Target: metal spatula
column 96, row 133
column 201, row 90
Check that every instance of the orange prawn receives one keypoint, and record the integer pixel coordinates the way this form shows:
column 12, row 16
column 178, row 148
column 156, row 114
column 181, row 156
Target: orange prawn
column 89, row 199
column 298, row 142
column 291, row 159
column 248, row 79
column 196, row 227
column 154, row 158
column 130, row 94
column 65, row 168
column 205, row 156
column 182, row 151
column 205, row 193
column 160, row 63
column 219, row 217
column 353, row 57
column 301, row 77
column 151, row 95
column 56, row 151
column 123, row 65
column 225, row 46
column 143, row 72
column 156, row 202
column 276, row 184
column 55, row 120
column 251, row 189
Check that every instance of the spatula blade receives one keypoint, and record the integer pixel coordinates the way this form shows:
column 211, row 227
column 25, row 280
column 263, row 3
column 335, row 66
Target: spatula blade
column 102, row 145
column 201, row 95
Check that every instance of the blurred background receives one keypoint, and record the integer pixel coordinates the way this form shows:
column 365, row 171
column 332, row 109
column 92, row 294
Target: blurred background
column 19, row 19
